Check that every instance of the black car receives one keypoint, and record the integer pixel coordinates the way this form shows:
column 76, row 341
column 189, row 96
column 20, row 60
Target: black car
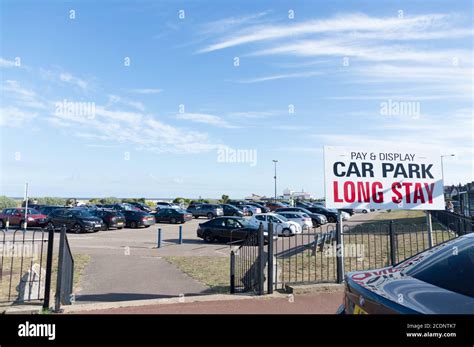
column 317, row 218
column 77, row 220
column 439, row 280
column 231, row 210
column 173, row 215
column 110, row 218
column 141, row 206
column 225, row 229
column 330, row 215
column 122, row 206
column 135, row 219
column 47, row 209
column 263, row 208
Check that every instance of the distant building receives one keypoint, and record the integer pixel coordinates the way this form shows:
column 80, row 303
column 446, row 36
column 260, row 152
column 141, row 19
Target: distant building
column 256, row 197
column 291, row 194
column 462, row 197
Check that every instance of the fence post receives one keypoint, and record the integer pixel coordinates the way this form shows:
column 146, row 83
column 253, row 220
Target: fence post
column 180, row 234
column 339, row 248
column 270, row 259
column 159, row 238
column 62, row 237
column 429, row 227
column 49, row 267
column 261, row 260
column 7, row 224
column 232, row 272
column 393, row 244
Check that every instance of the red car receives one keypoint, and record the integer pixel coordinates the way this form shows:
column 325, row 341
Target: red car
column 274, row 205
column 16, row 217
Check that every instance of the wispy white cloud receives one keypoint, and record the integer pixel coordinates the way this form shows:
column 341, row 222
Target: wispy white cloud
column 208, row 119
column 338, row 24
column 21, row 96
column 115, row 99
column 282, row 76
column 4, row 63
column 146, row 91
column 13, row 117
column 76, row 81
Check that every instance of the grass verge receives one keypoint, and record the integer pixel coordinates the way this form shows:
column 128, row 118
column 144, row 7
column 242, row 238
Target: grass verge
column 212, row 271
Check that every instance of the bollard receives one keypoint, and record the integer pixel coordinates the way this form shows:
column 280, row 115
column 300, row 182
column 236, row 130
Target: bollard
column 7, row 224
column 159, row 238
column 180, row 234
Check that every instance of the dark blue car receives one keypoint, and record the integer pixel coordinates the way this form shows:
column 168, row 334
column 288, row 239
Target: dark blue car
column 437, row 281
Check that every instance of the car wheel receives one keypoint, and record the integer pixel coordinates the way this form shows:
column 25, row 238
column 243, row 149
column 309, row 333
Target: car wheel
column 173, row 220
column 286, row 232
column 104, row 227
column 208, row 237
column 77, row 229
column 120, row 228
column 364, row 211
column 210, row 215
column 331, row 220
column 250, row 213
column 133, row 225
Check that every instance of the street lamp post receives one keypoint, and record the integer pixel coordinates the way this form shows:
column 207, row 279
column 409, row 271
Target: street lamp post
column 275, row 177
column 442, row 168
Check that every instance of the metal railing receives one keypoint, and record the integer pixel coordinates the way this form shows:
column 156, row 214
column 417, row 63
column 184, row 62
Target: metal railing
column 454, row 222
column 23, row 265
column 324, row 254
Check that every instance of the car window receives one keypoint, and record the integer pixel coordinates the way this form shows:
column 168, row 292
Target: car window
column 218, row 222
column 451, row 268
column 260, row 218
column 232, row 223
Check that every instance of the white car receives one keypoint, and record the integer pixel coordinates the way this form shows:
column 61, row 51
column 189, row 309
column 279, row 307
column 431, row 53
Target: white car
column 164, row 204
column 301, row 218
column 281, row 225
column 345, row 216
column 250, row 209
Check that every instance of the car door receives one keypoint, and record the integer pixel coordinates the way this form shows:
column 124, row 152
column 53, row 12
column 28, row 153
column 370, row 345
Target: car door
column 233, row 230
column 167, row 214
column 15, row 217
column 261, row 219
column 218, row 228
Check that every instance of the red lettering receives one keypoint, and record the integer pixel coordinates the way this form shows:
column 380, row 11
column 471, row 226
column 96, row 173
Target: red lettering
column 429, row 190
column 336, row 192
column 377, row 196
column 349, row 191
column 418, row 194
column 363, row 192
column 407, row 191
column 399, row 196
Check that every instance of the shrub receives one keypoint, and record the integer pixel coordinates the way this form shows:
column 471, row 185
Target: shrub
column 6, row 202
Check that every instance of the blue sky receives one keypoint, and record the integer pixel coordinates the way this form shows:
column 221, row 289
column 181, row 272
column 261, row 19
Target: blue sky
column 336, row 63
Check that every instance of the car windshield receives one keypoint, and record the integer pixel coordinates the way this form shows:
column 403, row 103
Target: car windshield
column 451, row 267
column 81, row 213
column 31, row 211
column 180, row 210
column 282, row 218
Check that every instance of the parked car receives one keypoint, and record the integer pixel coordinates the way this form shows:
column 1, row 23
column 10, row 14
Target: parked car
column 317, row 218
column 122, row 206
column 281, row 225
column 141, row 206
column 164, row 204
column 173, row 215
column 76, row 219
column 303, row 219
column 47, row 209
column 110, row 218
column 205, row 210
column 231, row 210
column 135, row 219
column 364, row 210
column 350, row 211
column 274, row 205
column 303, row 204
column 436, row 281
column 250, row 210
column 16, row 217
column 227, row 229
column 262, row 207
column 331, row 216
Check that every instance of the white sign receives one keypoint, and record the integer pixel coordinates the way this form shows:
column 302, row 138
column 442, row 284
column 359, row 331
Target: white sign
column 387, row 178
